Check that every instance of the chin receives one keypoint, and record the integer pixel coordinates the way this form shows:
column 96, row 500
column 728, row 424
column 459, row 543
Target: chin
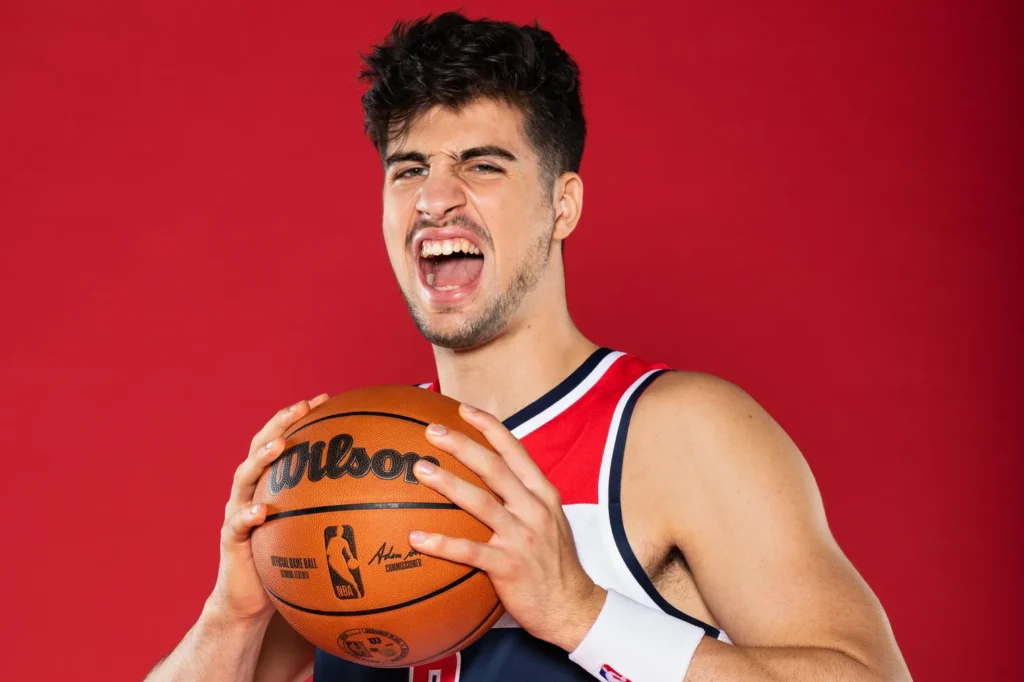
column 457, row 330
column 450, row 334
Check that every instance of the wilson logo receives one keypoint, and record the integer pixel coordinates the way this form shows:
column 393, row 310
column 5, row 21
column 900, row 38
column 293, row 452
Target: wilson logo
column 337, row 458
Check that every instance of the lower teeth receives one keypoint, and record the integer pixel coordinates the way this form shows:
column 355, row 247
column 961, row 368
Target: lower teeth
column 450, row 287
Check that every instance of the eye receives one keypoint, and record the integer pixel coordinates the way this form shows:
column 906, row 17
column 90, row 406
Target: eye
column 415, row 171
column 485, row 168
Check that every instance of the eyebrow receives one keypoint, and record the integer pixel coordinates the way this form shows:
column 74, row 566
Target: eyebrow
column 402, row 157
column 487, row 150
column 466, row 155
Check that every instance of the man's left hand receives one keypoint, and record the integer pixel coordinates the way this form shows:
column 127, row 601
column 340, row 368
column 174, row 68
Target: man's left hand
column 531, row 557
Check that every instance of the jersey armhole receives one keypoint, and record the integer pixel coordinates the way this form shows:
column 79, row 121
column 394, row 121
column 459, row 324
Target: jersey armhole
column 620, row 431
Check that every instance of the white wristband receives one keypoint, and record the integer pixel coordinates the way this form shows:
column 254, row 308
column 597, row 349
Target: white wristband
column 630, row 642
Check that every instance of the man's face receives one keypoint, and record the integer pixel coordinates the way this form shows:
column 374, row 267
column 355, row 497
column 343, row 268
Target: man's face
column 468, row 221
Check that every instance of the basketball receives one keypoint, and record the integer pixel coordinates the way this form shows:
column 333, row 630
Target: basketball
column 334, row 552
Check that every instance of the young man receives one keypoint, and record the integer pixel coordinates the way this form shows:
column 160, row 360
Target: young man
column 646, row 512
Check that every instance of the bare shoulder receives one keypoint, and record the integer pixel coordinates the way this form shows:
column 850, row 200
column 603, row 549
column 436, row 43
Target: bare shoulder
column 742, row 506
column 701, row 405
column 716, row 434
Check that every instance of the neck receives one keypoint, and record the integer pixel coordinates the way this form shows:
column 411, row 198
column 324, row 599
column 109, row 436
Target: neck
column 518, row 366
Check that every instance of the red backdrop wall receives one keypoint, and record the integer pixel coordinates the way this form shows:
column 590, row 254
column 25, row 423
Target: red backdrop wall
column 818, row 201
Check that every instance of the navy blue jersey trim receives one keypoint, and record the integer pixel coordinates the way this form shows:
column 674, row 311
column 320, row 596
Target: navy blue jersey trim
column 558, row 392
column 615, row 513
column 382, row 609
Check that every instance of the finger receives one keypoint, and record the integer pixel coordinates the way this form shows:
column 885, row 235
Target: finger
column 239, row 525
column 511, row 451
column 265, row 448
column 473, row 499
column 277, row 425
column 490, row 467
column 460, row 550
column 248, row 473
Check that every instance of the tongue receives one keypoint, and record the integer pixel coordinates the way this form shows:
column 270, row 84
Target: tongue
column 456, row 272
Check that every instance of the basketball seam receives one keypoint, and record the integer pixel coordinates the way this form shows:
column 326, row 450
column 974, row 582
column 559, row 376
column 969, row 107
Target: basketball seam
column 359, row 506
column 383, row 609
column 471, row 633
column 358, row 414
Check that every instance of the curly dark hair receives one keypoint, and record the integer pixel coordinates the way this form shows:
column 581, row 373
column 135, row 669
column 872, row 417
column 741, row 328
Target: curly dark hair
column 451, row 61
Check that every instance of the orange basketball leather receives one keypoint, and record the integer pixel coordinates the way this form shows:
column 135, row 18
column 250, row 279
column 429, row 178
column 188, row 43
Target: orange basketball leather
column 334, row 552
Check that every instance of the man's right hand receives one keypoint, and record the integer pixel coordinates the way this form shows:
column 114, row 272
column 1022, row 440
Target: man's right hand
column 239, row 595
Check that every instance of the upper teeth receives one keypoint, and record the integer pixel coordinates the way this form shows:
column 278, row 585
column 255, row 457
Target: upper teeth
column 446, row 247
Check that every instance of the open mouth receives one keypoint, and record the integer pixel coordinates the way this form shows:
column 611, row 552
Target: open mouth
column 450, row 265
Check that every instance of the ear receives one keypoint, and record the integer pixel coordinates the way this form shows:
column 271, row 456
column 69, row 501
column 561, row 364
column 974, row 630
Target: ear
column 568, row 198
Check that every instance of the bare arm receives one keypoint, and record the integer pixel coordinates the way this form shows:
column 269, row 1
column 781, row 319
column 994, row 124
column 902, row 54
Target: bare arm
column 217, row 648
column 214, row 648
column 750, row 521
column 239, row 637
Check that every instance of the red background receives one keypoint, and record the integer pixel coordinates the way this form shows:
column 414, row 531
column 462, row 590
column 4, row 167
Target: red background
column 821, row 204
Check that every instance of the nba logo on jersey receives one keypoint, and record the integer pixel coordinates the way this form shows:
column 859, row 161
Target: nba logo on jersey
column 611, row 674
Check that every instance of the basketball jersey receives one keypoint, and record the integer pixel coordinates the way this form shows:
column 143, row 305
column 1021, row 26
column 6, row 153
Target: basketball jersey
column 576, row 433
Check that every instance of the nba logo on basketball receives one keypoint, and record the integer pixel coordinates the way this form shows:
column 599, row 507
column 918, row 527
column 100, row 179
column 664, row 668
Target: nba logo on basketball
column 342, row 562
column 610, row 673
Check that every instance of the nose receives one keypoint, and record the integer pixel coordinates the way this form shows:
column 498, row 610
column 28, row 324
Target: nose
column 440, row 194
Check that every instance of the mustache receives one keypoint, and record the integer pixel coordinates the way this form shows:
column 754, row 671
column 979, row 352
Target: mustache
column 462, row 221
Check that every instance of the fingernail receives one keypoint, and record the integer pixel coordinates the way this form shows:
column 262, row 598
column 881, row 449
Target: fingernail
column 417, row 537
column 255, row 510
column 292, row 408
column 469, row 409
column 436, row 430
column 269, row 445
column 424, row 468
